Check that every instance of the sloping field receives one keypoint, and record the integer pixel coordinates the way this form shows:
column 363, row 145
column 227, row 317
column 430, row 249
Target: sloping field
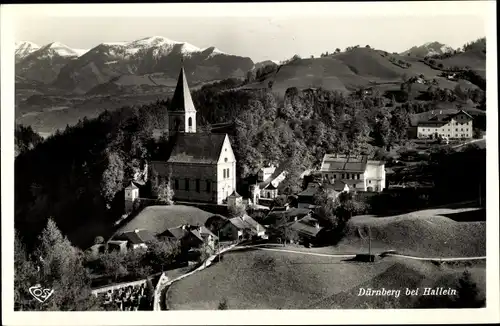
column 425, row 234
column 475, row 59
column 159, row 218
column 256, row 279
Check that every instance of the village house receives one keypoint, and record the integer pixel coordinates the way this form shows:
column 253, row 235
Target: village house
column 266, row 189
column 238, row 228
column 451, row 126
column 305, row 199
column 309, row 230
column 357, row 172
column 133, row 239
column 200, row 166
column 131, row 194
column 188, row 238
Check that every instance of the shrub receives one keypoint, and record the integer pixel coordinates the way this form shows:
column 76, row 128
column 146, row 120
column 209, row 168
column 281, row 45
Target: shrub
column 222, row 304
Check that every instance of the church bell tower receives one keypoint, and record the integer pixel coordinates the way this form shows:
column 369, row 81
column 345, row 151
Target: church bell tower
column 182, row 113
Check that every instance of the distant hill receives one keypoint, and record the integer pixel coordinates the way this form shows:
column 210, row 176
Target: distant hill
column 350, row 70
column 428, row 49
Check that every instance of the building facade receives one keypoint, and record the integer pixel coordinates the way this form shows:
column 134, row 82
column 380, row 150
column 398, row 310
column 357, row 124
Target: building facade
column 450, row 126
column 201, row 166
column 357, row 172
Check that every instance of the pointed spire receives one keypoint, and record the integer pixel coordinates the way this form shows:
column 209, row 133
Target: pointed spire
column 182, row 101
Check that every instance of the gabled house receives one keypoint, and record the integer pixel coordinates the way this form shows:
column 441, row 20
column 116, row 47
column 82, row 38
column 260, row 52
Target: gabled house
column 356, row 171
column 450, row 126
column 238, row 228
column 134, row 239
column 185, row 236
column 309, row 230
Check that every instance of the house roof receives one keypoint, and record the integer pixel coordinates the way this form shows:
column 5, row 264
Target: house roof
column 132, row 186
column 136, row 236
column 307, row 226
column 182, row 101
column 205, row 231
column 235, row 194
column 239, row 223
column 177, row 233
column 309, row 192
column 441, row 119
column 270, row 186
column 253, row 223
column 202, row 148
column 280, row 169
column 334, row 162
column 196, row 234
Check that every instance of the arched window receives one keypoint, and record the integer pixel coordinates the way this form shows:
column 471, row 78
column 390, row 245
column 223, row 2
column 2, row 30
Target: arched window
column 190, row 122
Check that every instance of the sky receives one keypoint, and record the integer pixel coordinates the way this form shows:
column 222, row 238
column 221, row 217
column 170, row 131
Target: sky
column 264, row 33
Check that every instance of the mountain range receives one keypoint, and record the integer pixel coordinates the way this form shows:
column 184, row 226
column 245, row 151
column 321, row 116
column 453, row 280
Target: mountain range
column 428, row 49
column 156, row 59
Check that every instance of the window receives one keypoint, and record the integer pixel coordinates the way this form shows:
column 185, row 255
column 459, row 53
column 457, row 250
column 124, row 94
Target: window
column 227, row 173
column 197, row 185
column 359, row 176
column 334, row 175
column 224, row 172
column 456, row 129
column 353, row 176
column 369, row 181
column 187, row 184
column 225, row 160
column 176, row 184
column 190, row 122
column 343, row 176
column 208, row 185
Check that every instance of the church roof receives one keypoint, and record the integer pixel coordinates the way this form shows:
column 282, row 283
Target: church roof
column 197, row 148
column 182, row 101
column 132, row 186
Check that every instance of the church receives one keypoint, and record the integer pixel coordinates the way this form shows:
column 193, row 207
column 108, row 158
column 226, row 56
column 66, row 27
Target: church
column 201, row 165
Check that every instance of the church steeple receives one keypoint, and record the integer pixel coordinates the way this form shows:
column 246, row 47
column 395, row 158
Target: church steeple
column 182, row 113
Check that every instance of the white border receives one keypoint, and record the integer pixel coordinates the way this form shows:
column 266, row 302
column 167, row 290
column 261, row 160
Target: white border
column 486, row 9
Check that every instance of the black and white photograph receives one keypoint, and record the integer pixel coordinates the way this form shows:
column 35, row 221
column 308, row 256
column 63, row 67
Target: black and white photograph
column 243, row 157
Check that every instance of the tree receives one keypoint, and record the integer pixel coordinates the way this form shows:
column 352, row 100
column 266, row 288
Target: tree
column 161, row 253
column 337, row 50
column 165, row 193
column 113, row 176
column 61, row 269
column 467, row 293
column 112, row 264
column 25, row 274
column 222, row 304
column 25, row 138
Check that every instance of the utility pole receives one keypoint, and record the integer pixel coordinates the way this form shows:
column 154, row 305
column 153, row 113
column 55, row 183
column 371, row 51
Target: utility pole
column 480, row 199
column 369, row 242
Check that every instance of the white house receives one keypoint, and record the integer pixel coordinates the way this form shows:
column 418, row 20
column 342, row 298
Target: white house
column 357, row 172
column 265, row 173
column 451, row 126
column 131, row 194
